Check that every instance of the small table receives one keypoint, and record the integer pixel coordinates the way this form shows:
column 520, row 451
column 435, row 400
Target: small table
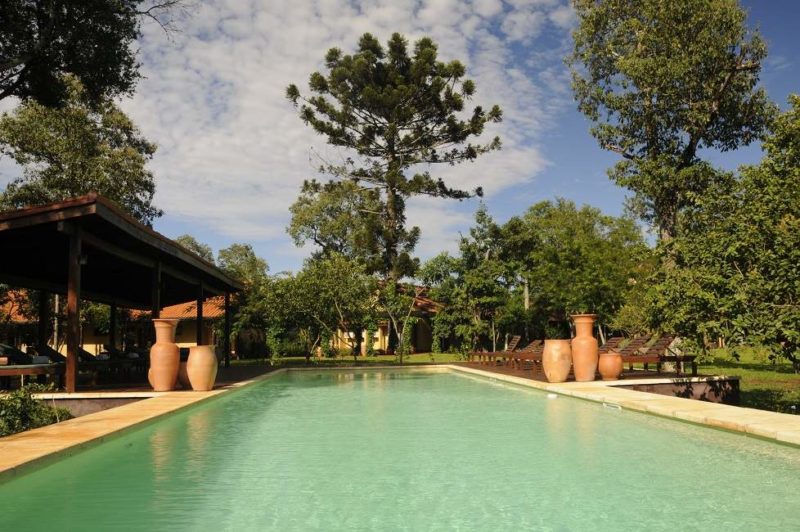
column 32, row 369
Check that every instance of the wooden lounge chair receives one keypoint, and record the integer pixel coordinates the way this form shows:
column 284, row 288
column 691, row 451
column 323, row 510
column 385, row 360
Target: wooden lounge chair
column 491, row 357
column 633, row 353
column 612, row 343
column 530, row 353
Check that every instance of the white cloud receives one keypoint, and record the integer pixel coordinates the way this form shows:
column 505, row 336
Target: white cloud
column 232, row 151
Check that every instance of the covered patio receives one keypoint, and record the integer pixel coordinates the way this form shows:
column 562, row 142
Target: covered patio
column 88, row 248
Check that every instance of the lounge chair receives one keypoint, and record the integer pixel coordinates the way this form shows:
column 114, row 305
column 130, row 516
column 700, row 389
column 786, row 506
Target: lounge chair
column 612, row 343
column 634, row 353
column 490, row 357
column 530, row 353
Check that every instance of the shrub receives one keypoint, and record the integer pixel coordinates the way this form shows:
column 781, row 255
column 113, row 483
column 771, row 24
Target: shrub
column 19, row 411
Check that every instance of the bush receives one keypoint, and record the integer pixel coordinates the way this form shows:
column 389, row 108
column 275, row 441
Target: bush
column 19, row 411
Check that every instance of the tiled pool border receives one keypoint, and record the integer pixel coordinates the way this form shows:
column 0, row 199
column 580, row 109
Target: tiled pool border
column 23, row 452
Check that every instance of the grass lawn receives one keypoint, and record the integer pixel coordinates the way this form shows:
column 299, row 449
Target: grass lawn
column 764, row 385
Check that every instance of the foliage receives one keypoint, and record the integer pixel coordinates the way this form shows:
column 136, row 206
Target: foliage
column 396, row 111
column 92, row 40
column 19, row 411
column 339, row 217
column 198, row 248
column 737, row 265
column 250, row 307
column 565, row 259
column 335, row 297
column 663, row 81
column 80, row 148
column 396, row 302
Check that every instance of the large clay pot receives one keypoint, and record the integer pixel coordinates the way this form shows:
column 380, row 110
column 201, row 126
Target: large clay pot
column 584, row 348
column 610, row 366
column 164, row 356
column 202, row 367
column 556, row 360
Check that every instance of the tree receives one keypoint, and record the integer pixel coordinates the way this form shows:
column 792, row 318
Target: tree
column 338, row 296
column 737, row 264
column 579, row 260
column 201, row 250
column 395, row 111
column 662, row 81
column 41, row 40
column 339, row 218
column 80, row 148
column 250, row 306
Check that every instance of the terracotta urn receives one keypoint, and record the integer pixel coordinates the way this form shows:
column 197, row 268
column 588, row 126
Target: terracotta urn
column 584, row 348
column 610, row 366
column 556, row 360
column 201, row 368
column 164, row 356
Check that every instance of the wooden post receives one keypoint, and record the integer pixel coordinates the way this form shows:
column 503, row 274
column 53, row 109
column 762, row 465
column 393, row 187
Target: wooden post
column 44, row 320
column 156, row 299
column 226, row 341
column 112, row 327
column 200, row 315
column 73, row 309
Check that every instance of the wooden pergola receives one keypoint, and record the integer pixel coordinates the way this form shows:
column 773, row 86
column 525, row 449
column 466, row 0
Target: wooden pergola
column 88, row 248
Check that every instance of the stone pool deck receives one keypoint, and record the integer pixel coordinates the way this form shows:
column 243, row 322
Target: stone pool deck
column 36, row 448
column 783, row 428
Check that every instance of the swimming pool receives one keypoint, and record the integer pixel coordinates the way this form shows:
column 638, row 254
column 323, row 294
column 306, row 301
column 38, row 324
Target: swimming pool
column 410, row 450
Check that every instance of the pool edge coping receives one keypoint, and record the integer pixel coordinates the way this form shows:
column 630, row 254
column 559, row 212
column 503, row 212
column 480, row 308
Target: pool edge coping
column 775, row 427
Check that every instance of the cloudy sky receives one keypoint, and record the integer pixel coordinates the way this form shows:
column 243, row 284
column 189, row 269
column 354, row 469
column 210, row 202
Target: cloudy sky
column 233, row 153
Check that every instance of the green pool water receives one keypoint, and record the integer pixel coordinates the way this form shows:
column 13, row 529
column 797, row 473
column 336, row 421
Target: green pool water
column 407, row 450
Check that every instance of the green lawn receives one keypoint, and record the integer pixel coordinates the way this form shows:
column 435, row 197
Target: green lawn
column 764, row 384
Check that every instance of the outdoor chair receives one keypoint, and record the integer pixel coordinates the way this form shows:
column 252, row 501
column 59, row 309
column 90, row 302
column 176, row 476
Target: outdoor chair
column 612, row 344
column 531, row 353
column 633, row 353
column 491, row 357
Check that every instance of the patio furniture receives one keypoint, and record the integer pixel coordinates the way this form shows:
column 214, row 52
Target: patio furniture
column 6, row 372
column 634, row 352
column 612, row 344
column 530, row 353
column 490, row 357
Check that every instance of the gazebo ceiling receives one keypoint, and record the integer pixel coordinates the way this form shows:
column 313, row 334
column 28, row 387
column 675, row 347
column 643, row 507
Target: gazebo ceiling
column 120, row 257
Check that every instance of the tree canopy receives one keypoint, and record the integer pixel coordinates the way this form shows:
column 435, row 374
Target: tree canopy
column 198, row 248
column 42, row 40
column 76, row 149
column 737, row 264
column 396, row 111
column 661, row 81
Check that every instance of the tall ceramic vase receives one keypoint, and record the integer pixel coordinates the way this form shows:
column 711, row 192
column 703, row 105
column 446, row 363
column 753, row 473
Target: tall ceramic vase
column 556, row 360
column 164, row 356
column 201, row 368
column 584, row 348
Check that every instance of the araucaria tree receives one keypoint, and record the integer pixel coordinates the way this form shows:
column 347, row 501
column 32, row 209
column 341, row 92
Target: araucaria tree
column 399, row 113
column 661, row 81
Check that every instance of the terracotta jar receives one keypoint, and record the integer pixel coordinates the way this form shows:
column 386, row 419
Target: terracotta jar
column 556, row 360
column 164, row 356
column 201, row 368
column 610, row 366
column 584, row 348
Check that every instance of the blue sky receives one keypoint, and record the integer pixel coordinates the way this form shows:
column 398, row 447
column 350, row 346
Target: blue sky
column 233, row 154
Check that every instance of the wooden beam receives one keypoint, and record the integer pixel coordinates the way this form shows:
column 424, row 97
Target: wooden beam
column 226, row 341
column 200, row 300
column 44, row 319
column 59, row 288
column 73, row 309
column 156, row 298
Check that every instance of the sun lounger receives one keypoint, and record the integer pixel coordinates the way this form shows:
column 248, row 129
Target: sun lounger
column 490, row 357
